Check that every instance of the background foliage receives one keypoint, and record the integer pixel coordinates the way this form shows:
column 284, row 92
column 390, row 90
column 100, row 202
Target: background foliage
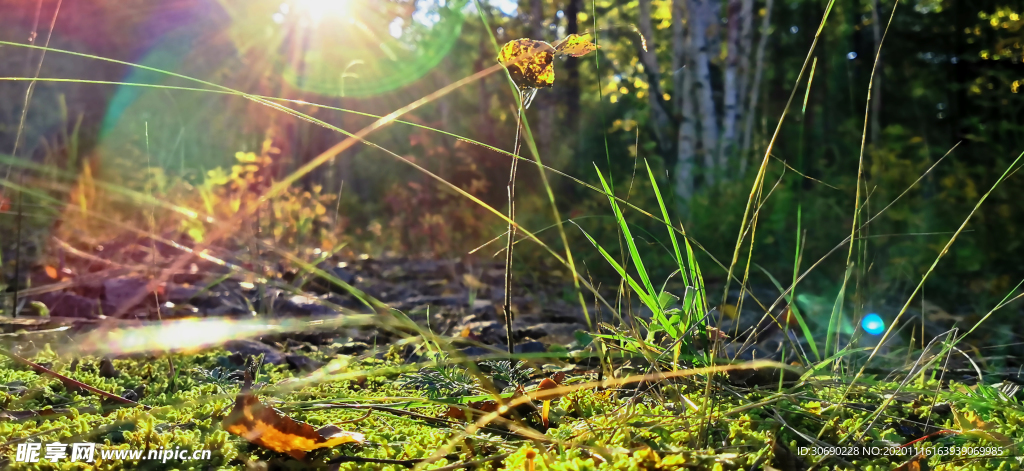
column 951, row 72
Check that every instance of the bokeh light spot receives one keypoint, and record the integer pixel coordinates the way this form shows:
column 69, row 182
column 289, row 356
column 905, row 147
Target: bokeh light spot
column 873, row 324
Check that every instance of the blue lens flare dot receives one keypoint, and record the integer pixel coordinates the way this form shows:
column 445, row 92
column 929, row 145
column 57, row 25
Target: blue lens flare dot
column 873, row 324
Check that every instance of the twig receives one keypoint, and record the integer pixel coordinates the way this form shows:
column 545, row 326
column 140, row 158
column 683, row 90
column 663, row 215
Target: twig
column 359, row 459
column 70, row 382
column 512, row 228
column 474, row 463
column 414, row 415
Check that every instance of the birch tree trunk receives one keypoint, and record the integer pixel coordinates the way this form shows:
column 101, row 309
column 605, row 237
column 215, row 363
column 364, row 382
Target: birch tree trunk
column 701, row 14
column 730, row 99
column 661, row 121
column 682, row 83
column 745, row 51
column 755, row 85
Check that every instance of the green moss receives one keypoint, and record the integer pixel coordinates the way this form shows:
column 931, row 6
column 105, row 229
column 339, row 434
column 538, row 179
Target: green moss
column 612, row 429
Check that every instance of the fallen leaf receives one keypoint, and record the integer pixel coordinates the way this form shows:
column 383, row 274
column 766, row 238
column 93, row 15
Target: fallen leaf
column 971, row 425
column 576, row 45
column 490, row 405
column 271, row 429
column 472, row 282
column 917, row 463
column 529, row 63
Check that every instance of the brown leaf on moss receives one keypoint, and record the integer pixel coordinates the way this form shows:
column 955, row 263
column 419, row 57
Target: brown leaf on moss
column 529, row 63
column 271, row 429
column 576, row 45
column 917, row 463
column 484, row 407
column 971, row 425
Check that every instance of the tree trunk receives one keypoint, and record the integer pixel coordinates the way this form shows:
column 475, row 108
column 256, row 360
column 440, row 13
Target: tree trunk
column 876, row 97
column 701, row 15
column 745, row 50
column 682, row 80
column 537, row 20
column 572, row 64
column 661, row 121
column 731, row 91
column 755, row 85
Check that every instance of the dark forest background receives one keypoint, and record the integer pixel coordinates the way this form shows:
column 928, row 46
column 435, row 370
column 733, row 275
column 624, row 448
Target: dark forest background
column 700, row 105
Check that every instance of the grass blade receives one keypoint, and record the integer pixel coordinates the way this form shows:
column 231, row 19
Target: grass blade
column 649, row 296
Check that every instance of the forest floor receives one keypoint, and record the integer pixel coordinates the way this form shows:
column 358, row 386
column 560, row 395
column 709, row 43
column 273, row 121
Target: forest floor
column 395, row 363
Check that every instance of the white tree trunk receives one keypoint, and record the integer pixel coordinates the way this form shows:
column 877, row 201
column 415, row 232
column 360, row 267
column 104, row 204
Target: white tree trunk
column 755, row 85
column 661, row 120
column 731, row 94
column 745, row 51
column 701, row 15
column 683, row 100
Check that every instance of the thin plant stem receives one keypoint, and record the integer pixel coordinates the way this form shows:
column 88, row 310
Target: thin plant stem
column 512, row 226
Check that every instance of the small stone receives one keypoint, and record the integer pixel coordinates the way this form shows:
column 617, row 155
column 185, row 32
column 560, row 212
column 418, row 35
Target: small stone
column 253, row 348
column 181, row 294
column 107, row 369
column 303, row 363
column 64, row 304
column 130, row 395
column 474, row 351
column 530, row 347
column 352, row 348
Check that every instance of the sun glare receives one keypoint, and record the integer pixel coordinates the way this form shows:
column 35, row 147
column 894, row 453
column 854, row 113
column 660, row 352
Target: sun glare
column 319, row 10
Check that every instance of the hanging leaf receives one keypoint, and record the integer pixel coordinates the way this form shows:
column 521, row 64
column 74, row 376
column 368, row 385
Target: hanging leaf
column 576, row 45
column 529, row 63
column 270, row 429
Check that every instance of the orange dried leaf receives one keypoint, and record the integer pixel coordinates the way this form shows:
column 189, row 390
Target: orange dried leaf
column 455, row 413
column 576, row 45
column 529, row 63
column 50, row 272
column 270, row 429
column 917, row 463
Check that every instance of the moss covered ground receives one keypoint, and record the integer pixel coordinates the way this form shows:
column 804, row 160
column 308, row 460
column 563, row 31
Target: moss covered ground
column 666, row 424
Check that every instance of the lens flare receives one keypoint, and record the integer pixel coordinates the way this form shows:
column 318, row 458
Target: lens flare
column 873, row 324
column 318, row 10
column 196, row 334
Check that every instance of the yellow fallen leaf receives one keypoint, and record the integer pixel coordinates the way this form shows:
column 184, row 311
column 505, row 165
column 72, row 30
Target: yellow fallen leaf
column 270, row 429
column 472, row 282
